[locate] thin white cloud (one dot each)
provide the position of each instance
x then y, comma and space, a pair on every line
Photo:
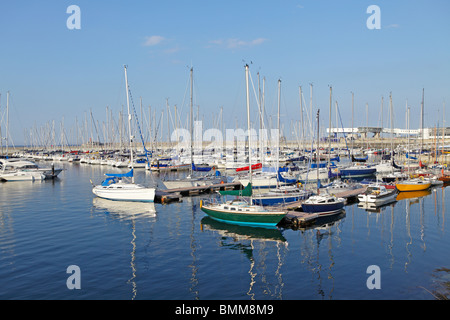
392, 26
234, 43
153, 40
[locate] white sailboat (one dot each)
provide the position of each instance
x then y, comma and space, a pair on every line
118, 186
193, 179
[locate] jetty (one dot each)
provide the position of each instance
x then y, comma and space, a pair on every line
172, 195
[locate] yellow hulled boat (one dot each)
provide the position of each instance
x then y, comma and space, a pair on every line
413, 185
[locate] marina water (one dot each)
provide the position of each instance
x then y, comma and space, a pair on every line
141, 251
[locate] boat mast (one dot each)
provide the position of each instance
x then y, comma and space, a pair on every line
129, 122
7, 122
353, 134
329, 136
1, 137
191, 120
279, 135
301, 114
421, 122
318, 139
407, 120
443, 132
248, 127
392, 130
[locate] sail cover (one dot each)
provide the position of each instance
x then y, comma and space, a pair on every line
120, 175
246, 192
284, 180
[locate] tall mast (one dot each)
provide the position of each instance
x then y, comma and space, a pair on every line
1, 138
248, 126
353, 134
301, 115
129, 122
318, 139
278, 124
329, 135
191, 118
7, 122
421, 120
311, 104
443, 131
392, 126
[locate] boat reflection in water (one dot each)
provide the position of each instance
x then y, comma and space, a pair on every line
241, 232
372, 207
325, 221
413, 194
131, 212
258, 245
126, 209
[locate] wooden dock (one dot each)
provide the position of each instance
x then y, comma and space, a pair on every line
167, 197
351, 194
171, 195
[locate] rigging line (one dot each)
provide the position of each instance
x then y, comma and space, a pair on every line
138, 125
342, 126
140, 133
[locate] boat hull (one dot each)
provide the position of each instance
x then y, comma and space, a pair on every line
323, 209
267, 219
378, 200
136, 193
406, 187
22, 176
270, 200
357, 173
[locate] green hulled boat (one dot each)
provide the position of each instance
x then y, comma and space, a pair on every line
240, 212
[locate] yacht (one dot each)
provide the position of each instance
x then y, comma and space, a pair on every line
8, 166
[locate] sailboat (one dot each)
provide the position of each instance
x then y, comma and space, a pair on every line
415, 184
193, 179
118, 186
238, 211
267, 179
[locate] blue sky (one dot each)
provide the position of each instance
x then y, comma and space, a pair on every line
54, 73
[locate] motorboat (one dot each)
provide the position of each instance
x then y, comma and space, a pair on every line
12, 165
22, 175
377, 194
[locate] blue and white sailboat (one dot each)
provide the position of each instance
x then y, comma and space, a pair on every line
290, 192
118, 186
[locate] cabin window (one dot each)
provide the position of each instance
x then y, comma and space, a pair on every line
225, 208
232, 208
330, 200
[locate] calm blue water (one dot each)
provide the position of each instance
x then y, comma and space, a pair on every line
135, 251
